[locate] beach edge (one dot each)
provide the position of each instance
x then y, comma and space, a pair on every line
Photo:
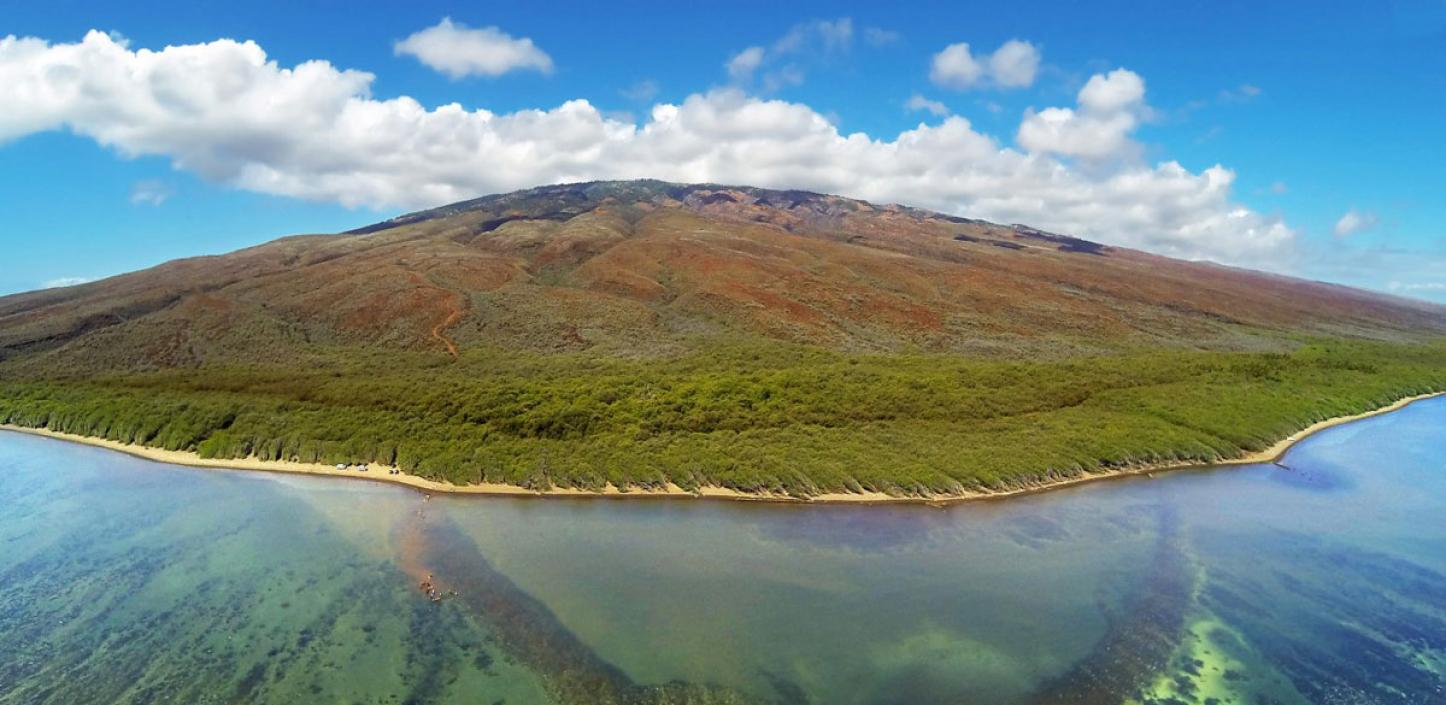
380, 474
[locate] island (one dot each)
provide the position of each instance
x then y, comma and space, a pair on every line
644, 338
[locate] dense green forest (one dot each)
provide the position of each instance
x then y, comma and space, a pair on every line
758, 418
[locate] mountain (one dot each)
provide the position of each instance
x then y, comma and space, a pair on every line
600, 300
647, 267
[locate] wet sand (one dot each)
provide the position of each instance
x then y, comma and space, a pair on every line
380, 473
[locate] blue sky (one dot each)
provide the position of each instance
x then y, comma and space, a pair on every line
1316, 110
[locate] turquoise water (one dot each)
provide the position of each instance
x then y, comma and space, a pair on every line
128, 581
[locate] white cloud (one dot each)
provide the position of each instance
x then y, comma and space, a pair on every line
1013, 65
1110, 107
744, 63
1355, 221
1245, 92
806, 44
1067, 132
775, 81
66, 281
1117, 91
918, 102
458, 51
225, 112
150, 192
642, 91
818, 35
955, 67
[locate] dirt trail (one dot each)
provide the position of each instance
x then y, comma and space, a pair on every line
446, 323
454, 313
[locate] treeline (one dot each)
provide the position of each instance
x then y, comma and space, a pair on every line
753, 418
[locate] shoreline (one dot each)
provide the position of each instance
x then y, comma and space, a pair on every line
378, 473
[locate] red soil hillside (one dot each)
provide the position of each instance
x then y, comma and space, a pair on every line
646, 268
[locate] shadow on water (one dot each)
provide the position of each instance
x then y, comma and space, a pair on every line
862, 529
1350, 625
1314, 477
1137, 644
434, 549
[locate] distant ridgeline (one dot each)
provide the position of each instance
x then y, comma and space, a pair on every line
643, 333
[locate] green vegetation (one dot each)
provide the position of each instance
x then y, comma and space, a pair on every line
762, 417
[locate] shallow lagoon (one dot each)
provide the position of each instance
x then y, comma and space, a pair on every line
128, 581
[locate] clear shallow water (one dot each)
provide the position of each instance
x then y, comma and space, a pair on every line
127, 581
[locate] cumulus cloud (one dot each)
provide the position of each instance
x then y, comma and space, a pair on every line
151, 192
66, 281
1355, 221
1110, 106
224, 111
955, 67
1114, 92
459, 51
1012, 65
917, 102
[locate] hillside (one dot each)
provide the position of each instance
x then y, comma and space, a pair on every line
642, 332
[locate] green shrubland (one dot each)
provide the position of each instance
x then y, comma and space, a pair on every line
757, 417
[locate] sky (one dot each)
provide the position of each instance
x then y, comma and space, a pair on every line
1303, 138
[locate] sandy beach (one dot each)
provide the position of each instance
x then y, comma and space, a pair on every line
380, 473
